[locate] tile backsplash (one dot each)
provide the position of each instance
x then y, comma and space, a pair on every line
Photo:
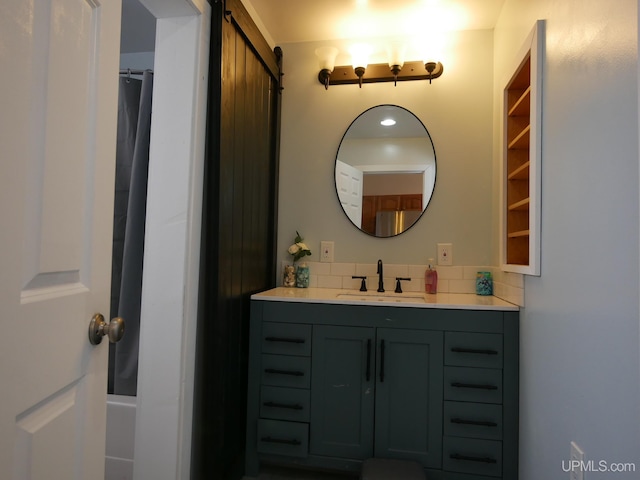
455, 279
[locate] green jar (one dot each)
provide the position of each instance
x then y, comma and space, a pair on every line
484, 283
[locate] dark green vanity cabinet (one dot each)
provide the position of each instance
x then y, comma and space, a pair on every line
376, 392
331, 385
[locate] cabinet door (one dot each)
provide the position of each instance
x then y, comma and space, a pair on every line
342, 391
408, 412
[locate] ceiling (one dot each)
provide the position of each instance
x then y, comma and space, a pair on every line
138, 28
368, 124
289, 21
312, 20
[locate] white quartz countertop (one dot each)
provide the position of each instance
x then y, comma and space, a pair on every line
463, 301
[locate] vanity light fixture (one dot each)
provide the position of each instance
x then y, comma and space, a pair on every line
431, 67
388, 122
395, 70
360, 58
326, 59
395, 52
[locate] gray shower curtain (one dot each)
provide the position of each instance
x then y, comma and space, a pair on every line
132, 162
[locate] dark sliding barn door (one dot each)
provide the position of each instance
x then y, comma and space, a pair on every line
239, 231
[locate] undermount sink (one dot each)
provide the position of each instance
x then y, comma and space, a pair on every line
388, 298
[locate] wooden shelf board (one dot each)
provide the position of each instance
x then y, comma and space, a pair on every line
521, 205
522, 77
522, 233
522, 106
520, 173
519, 140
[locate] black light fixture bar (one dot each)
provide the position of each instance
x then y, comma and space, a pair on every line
381, 72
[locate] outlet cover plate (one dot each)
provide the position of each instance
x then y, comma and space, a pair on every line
326, 251
445, 254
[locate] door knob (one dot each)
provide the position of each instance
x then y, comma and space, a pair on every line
99, 327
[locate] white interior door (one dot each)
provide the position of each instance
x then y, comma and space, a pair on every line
349, 186
58, 91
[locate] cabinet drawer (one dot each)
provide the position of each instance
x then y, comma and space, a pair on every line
473, 349
473, 384
286, 339
281, 403
286, 371
469, 455
473, 420
283, 438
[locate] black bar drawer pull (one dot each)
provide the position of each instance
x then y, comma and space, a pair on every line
284, 372
473, 422
285, 339
286, 441
382, 361
473, 385
368, 360
295, 406
474, 350
456, 456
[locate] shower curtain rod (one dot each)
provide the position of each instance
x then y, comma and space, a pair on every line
129, 71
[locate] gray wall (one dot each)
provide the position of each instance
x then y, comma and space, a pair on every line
580, 360
457, 111
579, 334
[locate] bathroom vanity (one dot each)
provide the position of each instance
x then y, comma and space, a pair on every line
336, 377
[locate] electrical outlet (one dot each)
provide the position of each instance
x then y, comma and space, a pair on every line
445, 254
576, 462
326, 251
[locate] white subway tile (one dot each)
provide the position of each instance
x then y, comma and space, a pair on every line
462, 286
454, 279
417, 271
366, 269
394, 271
515, 280
343, 269
318, 268
443, 286
415, 285
471, 272
450, 273
351, 283
329, 281
510, 294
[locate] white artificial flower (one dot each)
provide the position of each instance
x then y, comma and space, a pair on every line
293, 249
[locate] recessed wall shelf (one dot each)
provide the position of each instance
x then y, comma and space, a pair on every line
522, 205
521, 158
523, 233
521, 172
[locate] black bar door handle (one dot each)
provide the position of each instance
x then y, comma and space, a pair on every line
474, 350
284, 372
294, 406
456, 456
473, 385
286, 441
462, 421
368, 359
284, 339
382, 361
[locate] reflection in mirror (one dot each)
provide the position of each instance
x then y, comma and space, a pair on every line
385, 170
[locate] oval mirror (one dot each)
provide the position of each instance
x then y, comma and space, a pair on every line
385, 170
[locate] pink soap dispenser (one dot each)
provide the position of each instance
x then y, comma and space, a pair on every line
431, 279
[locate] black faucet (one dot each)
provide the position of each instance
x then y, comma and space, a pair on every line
380, 281
363, 284
398, 286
